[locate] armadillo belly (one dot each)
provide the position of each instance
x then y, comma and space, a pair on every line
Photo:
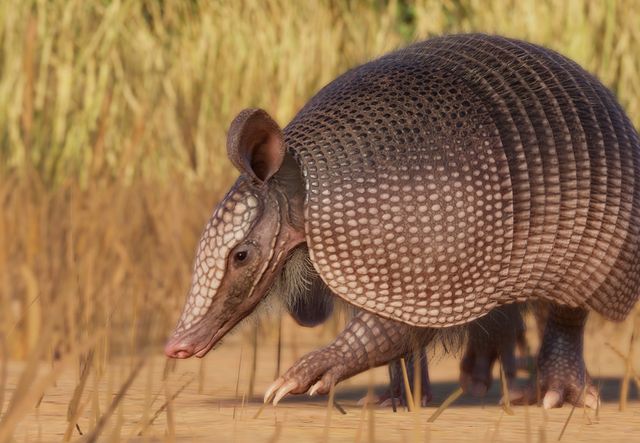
466, 172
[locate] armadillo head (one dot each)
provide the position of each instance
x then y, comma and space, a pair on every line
246, 241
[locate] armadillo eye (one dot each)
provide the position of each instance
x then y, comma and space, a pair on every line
240, 256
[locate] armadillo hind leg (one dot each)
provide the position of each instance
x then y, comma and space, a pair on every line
366, 342
492, 338
562, 375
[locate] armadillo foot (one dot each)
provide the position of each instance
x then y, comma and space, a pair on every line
565, 379
562, 375
578, 394
366, 342
315, 372
278, 389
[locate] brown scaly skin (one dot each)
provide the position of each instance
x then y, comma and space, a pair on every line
366, 342
561, 371
316, 306
562, 374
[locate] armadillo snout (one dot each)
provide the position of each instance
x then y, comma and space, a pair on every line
179, 348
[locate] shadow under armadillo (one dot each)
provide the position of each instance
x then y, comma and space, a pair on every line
349, 396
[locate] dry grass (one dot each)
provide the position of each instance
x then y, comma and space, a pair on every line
112, 131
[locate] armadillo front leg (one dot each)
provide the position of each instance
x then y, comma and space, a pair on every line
366, 342
562, 375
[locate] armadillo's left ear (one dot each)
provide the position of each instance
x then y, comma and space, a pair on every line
255, 144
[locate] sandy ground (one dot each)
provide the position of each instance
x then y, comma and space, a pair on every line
212, 403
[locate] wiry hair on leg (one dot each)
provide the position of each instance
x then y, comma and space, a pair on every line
501, 326
439, 341
296, 277
293, 282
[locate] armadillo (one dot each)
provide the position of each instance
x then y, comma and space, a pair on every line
430, 186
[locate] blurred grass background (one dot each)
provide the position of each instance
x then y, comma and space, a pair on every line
112, 134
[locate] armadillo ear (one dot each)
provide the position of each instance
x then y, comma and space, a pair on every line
255, 144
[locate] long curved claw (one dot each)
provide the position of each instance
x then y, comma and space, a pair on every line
592, 400
268, 395
284, 390
315, 388
552, 399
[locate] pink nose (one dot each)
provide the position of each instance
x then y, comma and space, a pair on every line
177, 348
